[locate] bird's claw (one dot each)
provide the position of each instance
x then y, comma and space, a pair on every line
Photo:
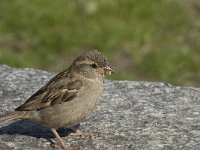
84, 134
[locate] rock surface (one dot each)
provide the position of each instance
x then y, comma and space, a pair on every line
131, 115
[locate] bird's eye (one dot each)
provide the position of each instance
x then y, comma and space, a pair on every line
94, 66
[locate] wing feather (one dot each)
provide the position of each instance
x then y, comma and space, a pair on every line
60, 89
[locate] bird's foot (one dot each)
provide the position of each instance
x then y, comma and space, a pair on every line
58, 145
60, 142
70, 148
83, 134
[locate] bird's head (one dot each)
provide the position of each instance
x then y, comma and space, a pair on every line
92, 64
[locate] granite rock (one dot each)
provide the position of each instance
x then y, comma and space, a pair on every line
130, 116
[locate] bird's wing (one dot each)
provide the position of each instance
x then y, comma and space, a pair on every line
61, 88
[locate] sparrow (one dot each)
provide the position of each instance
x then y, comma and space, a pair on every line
69, 97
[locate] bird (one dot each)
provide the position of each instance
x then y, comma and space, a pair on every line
68, 98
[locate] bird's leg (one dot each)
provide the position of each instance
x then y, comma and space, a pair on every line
77, 132
60, 140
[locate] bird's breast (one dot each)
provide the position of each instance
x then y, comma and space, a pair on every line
72, 112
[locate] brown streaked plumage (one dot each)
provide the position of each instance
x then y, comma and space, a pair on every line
67, 98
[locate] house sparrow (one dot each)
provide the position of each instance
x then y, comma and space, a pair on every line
67, 98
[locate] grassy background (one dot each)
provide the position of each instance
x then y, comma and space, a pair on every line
154, 40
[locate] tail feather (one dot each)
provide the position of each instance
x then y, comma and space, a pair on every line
12, 116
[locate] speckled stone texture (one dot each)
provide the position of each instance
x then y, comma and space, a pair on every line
131, 115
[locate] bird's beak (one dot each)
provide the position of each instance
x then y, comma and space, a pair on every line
108, 70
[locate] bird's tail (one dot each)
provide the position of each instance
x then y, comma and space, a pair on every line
12, 116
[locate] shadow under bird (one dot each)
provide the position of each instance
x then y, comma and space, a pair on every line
67, 98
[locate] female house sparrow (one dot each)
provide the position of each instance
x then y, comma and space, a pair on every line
67, 98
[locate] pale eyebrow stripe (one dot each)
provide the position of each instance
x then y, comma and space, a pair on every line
86, 61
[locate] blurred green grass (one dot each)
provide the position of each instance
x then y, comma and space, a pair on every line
154, 40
